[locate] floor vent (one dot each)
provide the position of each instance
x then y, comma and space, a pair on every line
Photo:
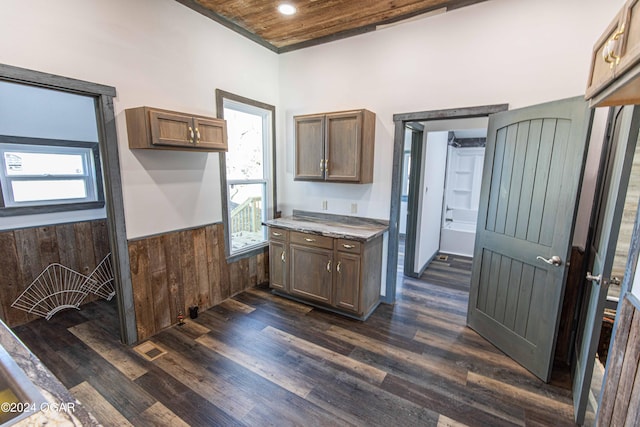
150, 350
442, 257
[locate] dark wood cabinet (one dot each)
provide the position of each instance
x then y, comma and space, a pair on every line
153, 128
347, 279
310, 147
278, 258
335, 147
342, 275
311, 269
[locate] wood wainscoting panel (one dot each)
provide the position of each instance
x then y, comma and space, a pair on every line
26, 252
177, 270
622, 387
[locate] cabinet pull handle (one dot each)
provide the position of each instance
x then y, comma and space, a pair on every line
349, 246
191, 136
321, 165
326, 165
338, 266
275, 233
329, 266
282, 257
309, 240
198, 136
608, 53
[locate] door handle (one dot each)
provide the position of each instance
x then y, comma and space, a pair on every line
597, 279
554, 260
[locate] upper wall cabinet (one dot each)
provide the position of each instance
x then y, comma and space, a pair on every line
169, 130
335, 146
614, 78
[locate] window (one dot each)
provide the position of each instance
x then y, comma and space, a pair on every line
33, 175
248, 171
49, 152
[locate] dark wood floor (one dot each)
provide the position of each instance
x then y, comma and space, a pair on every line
258, 359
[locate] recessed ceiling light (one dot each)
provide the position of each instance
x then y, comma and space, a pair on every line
286, 9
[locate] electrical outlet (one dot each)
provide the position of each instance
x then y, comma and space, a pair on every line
354, 208
324, 205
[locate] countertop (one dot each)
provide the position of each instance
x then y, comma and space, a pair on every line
337, 226
60, 408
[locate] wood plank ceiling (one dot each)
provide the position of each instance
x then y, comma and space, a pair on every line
316, 21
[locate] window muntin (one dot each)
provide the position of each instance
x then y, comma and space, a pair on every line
248, 174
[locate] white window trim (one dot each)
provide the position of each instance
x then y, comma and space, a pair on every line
92, 176
229, 100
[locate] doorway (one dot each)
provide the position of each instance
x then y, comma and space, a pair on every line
102, 100
612, 224
444, 118
442, 171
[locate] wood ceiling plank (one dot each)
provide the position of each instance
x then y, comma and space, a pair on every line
318, 19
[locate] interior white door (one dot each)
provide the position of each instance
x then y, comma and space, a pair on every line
533, 164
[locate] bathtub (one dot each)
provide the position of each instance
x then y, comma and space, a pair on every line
458, 238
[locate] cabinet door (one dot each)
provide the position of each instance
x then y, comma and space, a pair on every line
603, 64
310, 147
278, 266
347, 282
629, 37
311, 273
171, 129
343, 146
210, 133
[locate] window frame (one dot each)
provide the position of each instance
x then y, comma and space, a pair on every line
53, 206
269, 181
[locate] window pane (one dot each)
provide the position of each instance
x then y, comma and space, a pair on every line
246, 215
42, 164
33, 191
245, 157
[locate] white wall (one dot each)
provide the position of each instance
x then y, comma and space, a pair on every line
500, 51
162, 54
432, 178
157, 53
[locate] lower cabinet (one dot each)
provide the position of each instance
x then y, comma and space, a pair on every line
311, 273
347, 278
278, 265
338, 274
